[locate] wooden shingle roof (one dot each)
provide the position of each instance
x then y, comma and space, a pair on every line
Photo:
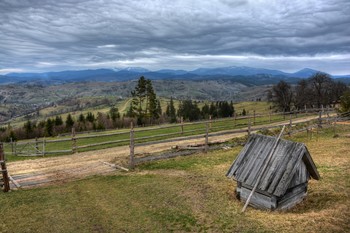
290, 165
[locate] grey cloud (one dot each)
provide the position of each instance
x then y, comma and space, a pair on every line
79, 33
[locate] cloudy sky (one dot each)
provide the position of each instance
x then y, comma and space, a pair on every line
52, 35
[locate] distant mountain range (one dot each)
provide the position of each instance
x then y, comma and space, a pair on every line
246, 75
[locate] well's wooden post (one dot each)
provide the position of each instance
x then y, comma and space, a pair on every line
132, 147
206, 147
74, 141
5, 176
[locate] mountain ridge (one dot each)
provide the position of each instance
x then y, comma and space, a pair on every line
131, 73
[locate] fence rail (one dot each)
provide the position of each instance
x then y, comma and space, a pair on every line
167, 133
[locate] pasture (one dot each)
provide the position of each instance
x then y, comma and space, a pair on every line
184, 194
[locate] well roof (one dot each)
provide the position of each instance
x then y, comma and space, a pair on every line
290, 165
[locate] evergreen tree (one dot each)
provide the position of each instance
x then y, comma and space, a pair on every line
345, 102
139, 95
130, 112
144, 102
49, 127
90, 117
159, 109
58, 120
114, 114
205, 111
69, 122
171, 112
189, 110
28, 128
81, 118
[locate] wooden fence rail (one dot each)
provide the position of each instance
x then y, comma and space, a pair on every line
215, 127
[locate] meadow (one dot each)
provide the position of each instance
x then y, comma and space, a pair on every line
185, 194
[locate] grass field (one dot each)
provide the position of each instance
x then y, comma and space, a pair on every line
185, 194
144, 136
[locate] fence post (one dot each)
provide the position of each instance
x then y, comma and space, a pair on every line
234, 119
206, 147
74, 141
11, 141
249, 125
320, 119
327, 111
36, 146
284, 115
290, 124
305, 108
334, 126
132, 147
44, 145
5, 176
182, 125
270, 117
254, 117
210, 120
15, 148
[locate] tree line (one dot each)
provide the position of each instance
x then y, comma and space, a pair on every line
317, 91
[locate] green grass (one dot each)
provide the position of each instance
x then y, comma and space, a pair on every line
250, 106
216, 126
184, 194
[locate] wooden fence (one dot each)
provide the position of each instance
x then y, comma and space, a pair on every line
165, 133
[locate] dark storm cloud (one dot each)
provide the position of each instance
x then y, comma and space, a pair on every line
51, 35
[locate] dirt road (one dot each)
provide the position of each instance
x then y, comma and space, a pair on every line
43, 171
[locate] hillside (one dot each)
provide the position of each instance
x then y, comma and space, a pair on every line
45, 100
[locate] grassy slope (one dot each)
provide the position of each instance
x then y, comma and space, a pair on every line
183, 194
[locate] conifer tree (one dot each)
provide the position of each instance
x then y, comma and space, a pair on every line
69, 122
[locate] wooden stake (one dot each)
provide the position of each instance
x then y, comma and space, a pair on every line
5, 176
254, 117
74, 141
320, 119
234, 119
44, 145
206, 147
270, 117
210, 120
36, 145
264, 168
132, 147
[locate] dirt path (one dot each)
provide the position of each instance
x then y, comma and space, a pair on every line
65, 168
